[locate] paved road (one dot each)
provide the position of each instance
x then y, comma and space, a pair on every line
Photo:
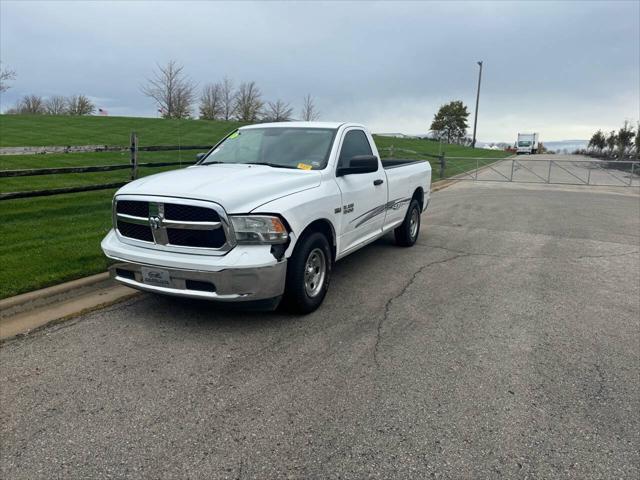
555, 169
504, 345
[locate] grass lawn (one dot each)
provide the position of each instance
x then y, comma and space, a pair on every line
49, 240
13, 162
42, 182
46, 130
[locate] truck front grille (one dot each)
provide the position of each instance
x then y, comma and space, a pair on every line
132, 230
171, 224
190, 213
196, 238
130, 207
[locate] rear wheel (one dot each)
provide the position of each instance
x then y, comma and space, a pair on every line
407, 233
308, 274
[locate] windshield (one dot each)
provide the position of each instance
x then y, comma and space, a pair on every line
524, 143
280, 147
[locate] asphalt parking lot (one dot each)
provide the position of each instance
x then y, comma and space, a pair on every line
505, 344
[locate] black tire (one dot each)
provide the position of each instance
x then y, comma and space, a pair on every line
406, 234
297, 297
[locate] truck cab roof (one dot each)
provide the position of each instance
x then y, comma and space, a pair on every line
301, 125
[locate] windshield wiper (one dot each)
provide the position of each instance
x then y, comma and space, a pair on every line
275, 165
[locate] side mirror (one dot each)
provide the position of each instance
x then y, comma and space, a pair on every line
359, 164
200, 156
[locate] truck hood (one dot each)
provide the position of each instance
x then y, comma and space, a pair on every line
238, 188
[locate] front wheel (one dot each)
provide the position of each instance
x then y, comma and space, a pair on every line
407, 233
308, 274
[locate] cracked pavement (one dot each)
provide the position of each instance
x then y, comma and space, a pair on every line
505, 344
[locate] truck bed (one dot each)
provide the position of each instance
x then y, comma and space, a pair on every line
388, 163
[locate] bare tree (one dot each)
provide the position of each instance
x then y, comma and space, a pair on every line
80, 105
56, 105
172, 90
228, 99
31, 105
211, 102
249, 102
309, 112
278, 111
6, 75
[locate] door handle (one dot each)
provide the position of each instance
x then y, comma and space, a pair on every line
378, 182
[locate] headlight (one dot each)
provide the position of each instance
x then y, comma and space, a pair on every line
259, 229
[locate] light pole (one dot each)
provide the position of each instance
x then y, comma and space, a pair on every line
475, 120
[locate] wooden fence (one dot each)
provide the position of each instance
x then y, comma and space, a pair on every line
133, 166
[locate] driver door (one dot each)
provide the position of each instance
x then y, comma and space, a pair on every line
364, 195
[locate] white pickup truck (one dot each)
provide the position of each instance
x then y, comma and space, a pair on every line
264, 215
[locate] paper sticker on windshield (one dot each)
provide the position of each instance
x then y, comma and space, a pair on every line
234, 134
304, 166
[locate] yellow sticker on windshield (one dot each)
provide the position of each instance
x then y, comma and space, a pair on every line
234, 134
304, 166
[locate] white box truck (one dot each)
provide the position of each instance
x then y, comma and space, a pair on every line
527, 143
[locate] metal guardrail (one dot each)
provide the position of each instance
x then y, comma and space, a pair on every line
623, 173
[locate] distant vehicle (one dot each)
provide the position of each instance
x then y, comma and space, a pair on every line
527, 143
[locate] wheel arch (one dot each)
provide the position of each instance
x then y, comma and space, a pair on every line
324, 226
418, 195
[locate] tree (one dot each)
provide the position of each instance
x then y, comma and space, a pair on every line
278, 111
211, 106
598, 141
6, 76
249, 102
56, 105
611, 141
637, 139
624, 138
80, 105
172, 90
31, 105
450, 122
228, 99
309, 112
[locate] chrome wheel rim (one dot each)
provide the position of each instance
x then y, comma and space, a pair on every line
315, 269
414, 223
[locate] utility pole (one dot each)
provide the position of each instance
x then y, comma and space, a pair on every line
475, 121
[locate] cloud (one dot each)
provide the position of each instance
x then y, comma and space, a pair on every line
563, 68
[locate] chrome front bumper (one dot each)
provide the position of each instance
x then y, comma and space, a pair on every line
229, 285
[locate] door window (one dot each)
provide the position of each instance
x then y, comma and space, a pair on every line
355, 143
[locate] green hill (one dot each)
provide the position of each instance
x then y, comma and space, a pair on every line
45, 130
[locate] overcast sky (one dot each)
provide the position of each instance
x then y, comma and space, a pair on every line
563, 69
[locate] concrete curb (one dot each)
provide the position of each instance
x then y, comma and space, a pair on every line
23, 313
440, 184
45, 296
